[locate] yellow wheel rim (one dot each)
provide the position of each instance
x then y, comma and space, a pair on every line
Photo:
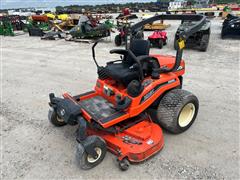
59, 119
186, 115
99, 153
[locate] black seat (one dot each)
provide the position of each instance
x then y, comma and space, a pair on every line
124, 71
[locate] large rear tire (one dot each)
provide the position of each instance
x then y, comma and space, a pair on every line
160, 43
177, 111
139, 35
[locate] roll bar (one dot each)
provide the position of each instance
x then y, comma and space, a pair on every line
183, 35
186, 17
93, 51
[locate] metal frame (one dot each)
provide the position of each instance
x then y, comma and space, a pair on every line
183, 35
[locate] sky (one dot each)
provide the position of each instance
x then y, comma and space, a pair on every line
4, 4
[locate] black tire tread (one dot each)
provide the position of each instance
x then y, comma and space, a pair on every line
52, 116
82, 155
160, 43
204, 42
118, 40
170, 107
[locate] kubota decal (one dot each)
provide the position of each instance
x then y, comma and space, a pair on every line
151, 92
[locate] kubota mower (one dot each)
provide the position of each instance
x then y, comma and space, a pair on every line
158, 38
115, 115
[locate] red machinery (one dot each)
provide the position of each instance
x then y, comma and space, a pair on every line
158, 38
39, 18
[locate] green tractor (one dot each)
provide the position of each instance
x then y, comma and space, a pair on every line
6, 28
86, 31
37, 24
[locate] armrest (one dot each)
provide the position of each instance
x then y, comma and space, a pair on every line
130, 53
111, 62
161, 69
144, 57
119, 51
155, 69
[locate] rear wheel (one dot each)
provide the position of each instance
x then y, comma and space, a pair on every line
160, 43
222, 35
118, 40
204, 42
55, 119
139, 35
107, 33
86, 161
177, 111
165, 42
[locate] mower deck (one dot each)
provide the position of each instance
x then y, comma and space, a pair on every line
134, 138
137, 139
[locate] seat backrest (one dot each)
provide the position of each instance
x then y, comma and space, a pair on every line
139, 47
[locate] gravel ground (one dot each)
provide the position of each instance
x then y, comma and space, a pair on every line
33, 149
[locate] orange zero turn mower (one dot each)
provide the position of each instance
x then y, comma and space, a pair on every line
134, 97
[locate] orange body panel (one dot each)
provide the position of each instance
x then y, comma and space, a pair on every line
169, 81
147, 141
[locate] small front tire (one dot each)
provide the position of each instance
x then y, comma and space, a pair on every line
86, 161
124, 164
55, 119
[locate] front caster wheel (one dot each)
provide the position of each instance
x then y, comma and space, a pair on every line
55, 119
86, 161
124, 164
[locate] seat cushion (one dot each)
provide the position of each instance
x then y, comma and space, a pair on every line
139, 47
121, 73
